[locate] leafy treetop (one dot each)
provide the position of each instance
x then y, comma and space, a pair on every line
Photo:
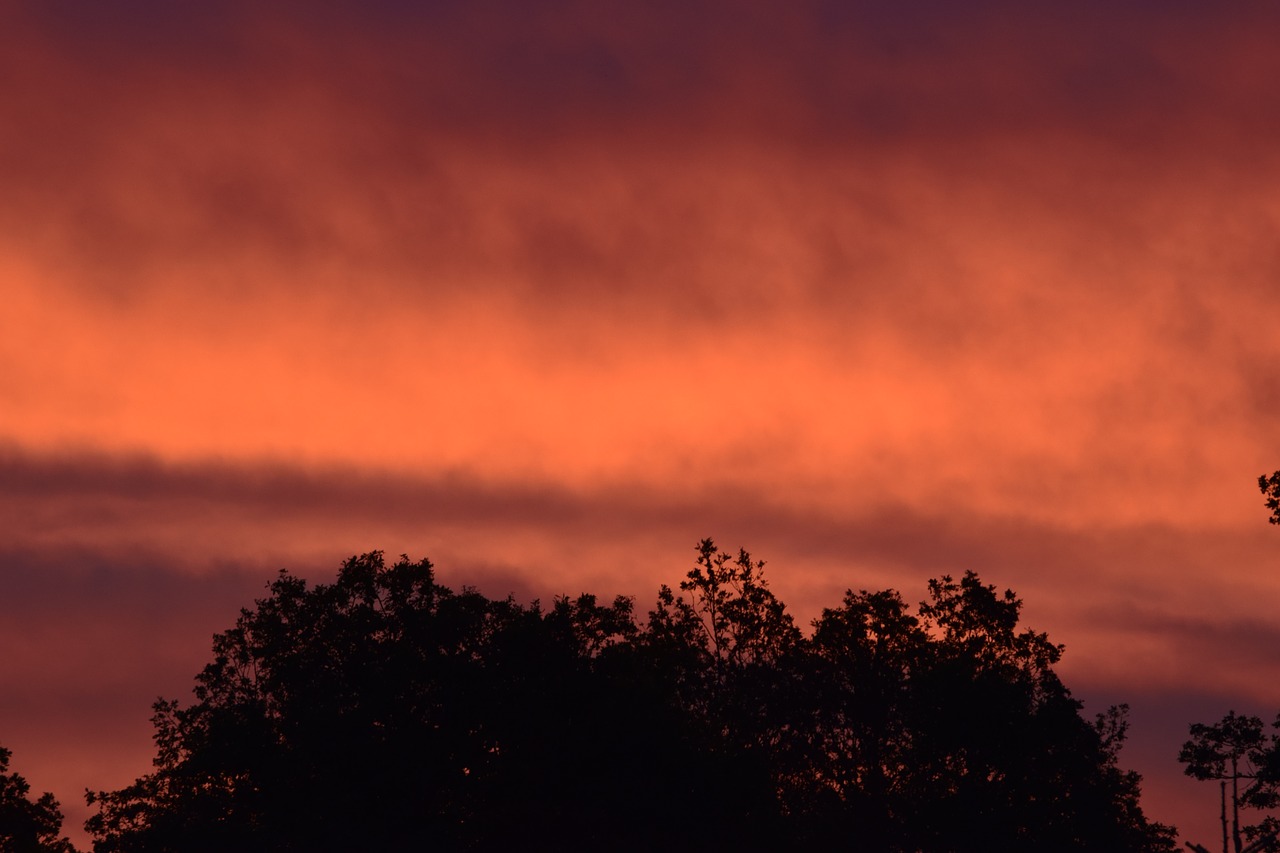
26, 825
386, 711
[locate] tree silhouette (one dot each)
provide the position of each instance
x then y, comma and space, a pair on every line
947, 729
26, 825
1238, 748
1270, 487
1234, 749
385, 711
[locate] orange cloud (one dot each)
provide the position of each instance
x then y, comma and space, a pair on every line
547, 295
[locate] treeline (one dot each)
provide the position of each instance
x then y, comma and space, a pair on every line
385, 711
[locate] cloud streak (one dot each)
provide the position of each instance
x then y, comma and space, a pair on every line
1129, 585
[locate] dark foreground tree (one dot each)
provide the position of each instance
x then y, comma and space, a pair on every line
947, 729
26, 825
1237, 753
385, 712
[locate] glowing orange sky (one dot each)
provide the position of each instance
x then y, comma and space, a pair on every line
549, 295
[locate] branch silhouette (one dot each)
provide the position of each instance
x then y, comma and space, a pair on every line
27, 825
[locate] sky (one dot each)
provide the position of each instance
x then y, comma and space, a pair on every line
547, 292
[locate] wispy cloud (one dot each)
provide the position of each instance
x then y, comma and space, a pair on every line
547, 293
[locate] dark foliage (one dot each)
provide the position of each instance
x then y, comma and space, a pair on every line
1238, 752
385, 711
26, 825
1270, 487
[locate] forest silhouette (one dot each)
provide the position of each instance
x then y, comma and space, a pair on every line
385, 711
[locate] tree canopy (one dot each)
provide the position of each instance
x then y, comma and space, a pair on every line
1239, 752
386, 711
27, 825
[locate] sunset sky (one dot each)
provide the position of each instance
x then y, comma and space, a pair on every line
548, 291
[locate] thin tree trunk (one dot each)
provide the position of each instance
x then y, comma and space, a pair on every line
1225, 849
1235, 804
